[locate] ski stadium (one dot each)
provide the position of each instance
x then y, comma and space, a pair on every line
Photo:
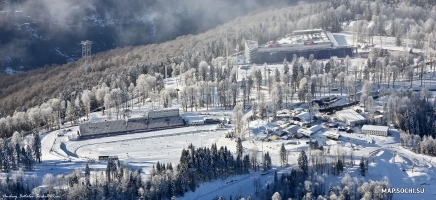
154, 120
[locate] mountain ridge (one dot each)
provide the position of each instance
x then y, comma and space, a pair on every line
45, 32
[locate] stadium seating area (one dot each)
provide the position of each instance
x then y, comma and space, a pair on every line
117, 127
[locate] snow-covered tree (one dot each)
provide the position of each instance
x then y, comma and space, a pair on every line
237, 121
276, 196
86, 99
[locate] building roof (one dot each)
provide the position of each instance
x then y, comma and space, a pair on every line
304, 116
315, 128
251, 44
350, 115
375, 128
293, 128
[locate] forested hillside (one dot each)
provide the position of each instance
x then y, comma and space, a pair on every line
121, 68
45, 32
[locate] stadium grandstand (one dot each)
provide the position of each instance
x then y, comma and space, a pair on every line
154, 120
302, 43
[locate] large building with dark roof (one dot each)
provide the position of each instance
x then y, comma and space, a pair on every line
321, 44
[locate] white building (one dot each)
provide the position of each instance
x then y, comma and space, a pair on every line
350, 117
168, 112
313, 129
375, 130
251, 48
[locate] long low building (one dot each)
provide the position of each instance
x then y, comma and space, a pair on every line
350, 117
167, 112
375, 130
110, 128
313, 129
303, 43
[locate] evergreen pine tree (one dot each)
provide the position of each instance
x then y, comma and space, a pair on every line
87, 175
276, 181
362, 167
37, 147
239, 147
246, 164
283, 155
302, 162
339, 166
29, 158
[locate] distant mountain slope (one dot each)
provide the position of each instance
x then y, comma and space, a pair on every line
24, 90
34, 33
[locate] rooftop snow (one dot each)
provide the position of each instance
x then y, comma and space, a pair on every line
375, 128
350, 115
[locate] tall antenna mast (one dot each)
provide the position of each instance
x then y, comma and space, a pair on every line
86, 54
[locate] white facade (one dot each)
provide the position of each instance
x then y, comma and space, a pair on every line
375, 130
350, 117
251, 49
172, 112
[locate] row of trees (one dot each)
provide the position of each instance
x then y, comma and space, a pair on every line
204, 47
18, 153
197, 165
296, 185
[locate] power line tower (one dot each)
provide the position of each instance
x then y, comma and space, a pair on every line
86, 55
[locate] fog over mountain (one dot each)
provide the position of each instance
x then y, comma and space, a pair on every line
34, 33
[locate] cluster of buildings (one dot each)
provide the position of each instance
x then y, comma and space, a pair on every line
297, 118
